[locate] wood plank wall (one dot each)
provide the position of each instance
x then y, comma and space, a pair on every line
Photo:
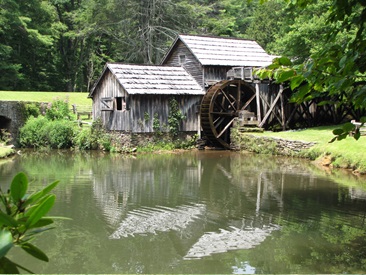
213, 74
142, 108
191, 64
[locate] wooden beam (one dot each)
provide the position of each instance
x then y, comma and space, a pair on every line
272, 107
278, 117
283, 113
259, 116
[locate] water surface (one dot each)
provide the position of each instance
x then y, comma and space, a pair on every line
196, 212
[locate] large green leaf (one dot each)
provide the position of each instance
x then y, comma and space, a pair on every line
338, 131
285, 75
35, 251
19, 187
38, 195
7, 220
34, 206
41, 210
6, 242
347, 127
42, 222
296, 81
284, 61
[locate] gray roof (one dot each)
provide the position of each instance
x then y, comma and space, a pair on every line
222, 51
145, 79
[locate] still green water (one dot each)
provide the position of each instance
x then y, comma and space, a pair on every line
197, 212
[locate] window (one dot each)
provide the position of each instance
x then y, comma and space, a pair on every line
182, 59
120, 103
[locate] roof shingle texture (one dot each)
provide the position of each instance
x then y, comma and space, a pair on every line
220, 51
141, 79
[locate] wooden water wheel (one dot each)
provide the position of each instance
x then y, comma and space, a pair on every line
221, 105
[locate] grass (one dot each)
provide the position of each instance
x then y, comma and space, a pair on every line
5, 151
348, 153
77, 98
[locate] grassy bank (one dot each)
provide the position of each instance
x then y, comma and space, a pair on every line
348, 153
77, 98
5, 151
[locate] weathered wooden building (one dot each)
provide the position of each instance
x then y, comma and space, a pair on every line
208, 59
130, 97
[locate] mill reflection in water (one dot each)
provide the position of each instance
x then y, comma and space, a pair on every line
198, 212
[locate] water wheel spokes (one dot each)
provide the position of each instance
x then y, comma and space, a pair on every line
219, 108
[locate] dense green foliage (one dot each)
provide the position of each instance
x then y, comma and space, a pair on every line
42, 132
22, 217
326, 54
175, 117
63, 45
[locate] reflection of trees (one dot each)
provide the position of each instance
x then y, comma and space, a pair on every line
321, 224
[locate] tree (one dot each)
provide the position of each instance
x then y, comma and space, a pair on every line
26, 39
265, 24
335, 68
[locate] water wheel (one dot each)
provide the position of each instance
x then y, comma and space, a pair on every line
221, 105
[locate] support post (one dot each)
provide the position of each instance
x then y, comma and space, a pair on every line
283, 111
259, 115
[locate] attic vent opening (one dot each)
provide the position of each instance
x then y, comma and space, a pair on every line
182, 59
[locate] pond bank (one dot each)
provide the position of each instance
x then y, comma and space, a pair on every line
311, 143
6, 151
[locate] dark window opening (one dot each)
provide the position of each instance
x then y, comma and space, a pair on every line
182, 59
120, 103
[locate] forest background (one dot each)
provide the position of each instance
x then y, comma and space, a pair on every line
62, 45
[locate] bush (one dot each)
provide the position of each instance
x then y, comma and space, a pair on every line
41, 132
58, 110
32, 133
60, 133
32, 109
93, 138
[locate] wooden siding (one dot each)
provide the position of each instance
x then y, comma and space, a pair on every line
213, 74
191, 64
108, 86
142, 108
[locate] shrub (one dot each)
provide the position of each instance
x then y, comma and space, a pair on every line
32, 109
92, 138
84, 141
175, 117
41, 132
58, 109
60, 133
32, 134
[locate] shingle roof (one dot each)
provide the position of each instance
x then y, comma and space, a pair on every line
142, 79
221, 51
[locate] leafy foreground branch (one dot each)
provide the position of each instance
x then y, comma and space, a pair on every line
22, 217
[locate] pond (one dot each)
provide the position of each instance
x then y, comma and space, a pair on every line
195, 212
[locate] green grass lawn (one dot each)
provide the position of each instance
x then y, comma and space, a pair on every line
347, 153
77, 98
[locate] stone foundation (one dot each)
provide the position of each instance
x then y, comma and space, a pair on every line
268, 145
